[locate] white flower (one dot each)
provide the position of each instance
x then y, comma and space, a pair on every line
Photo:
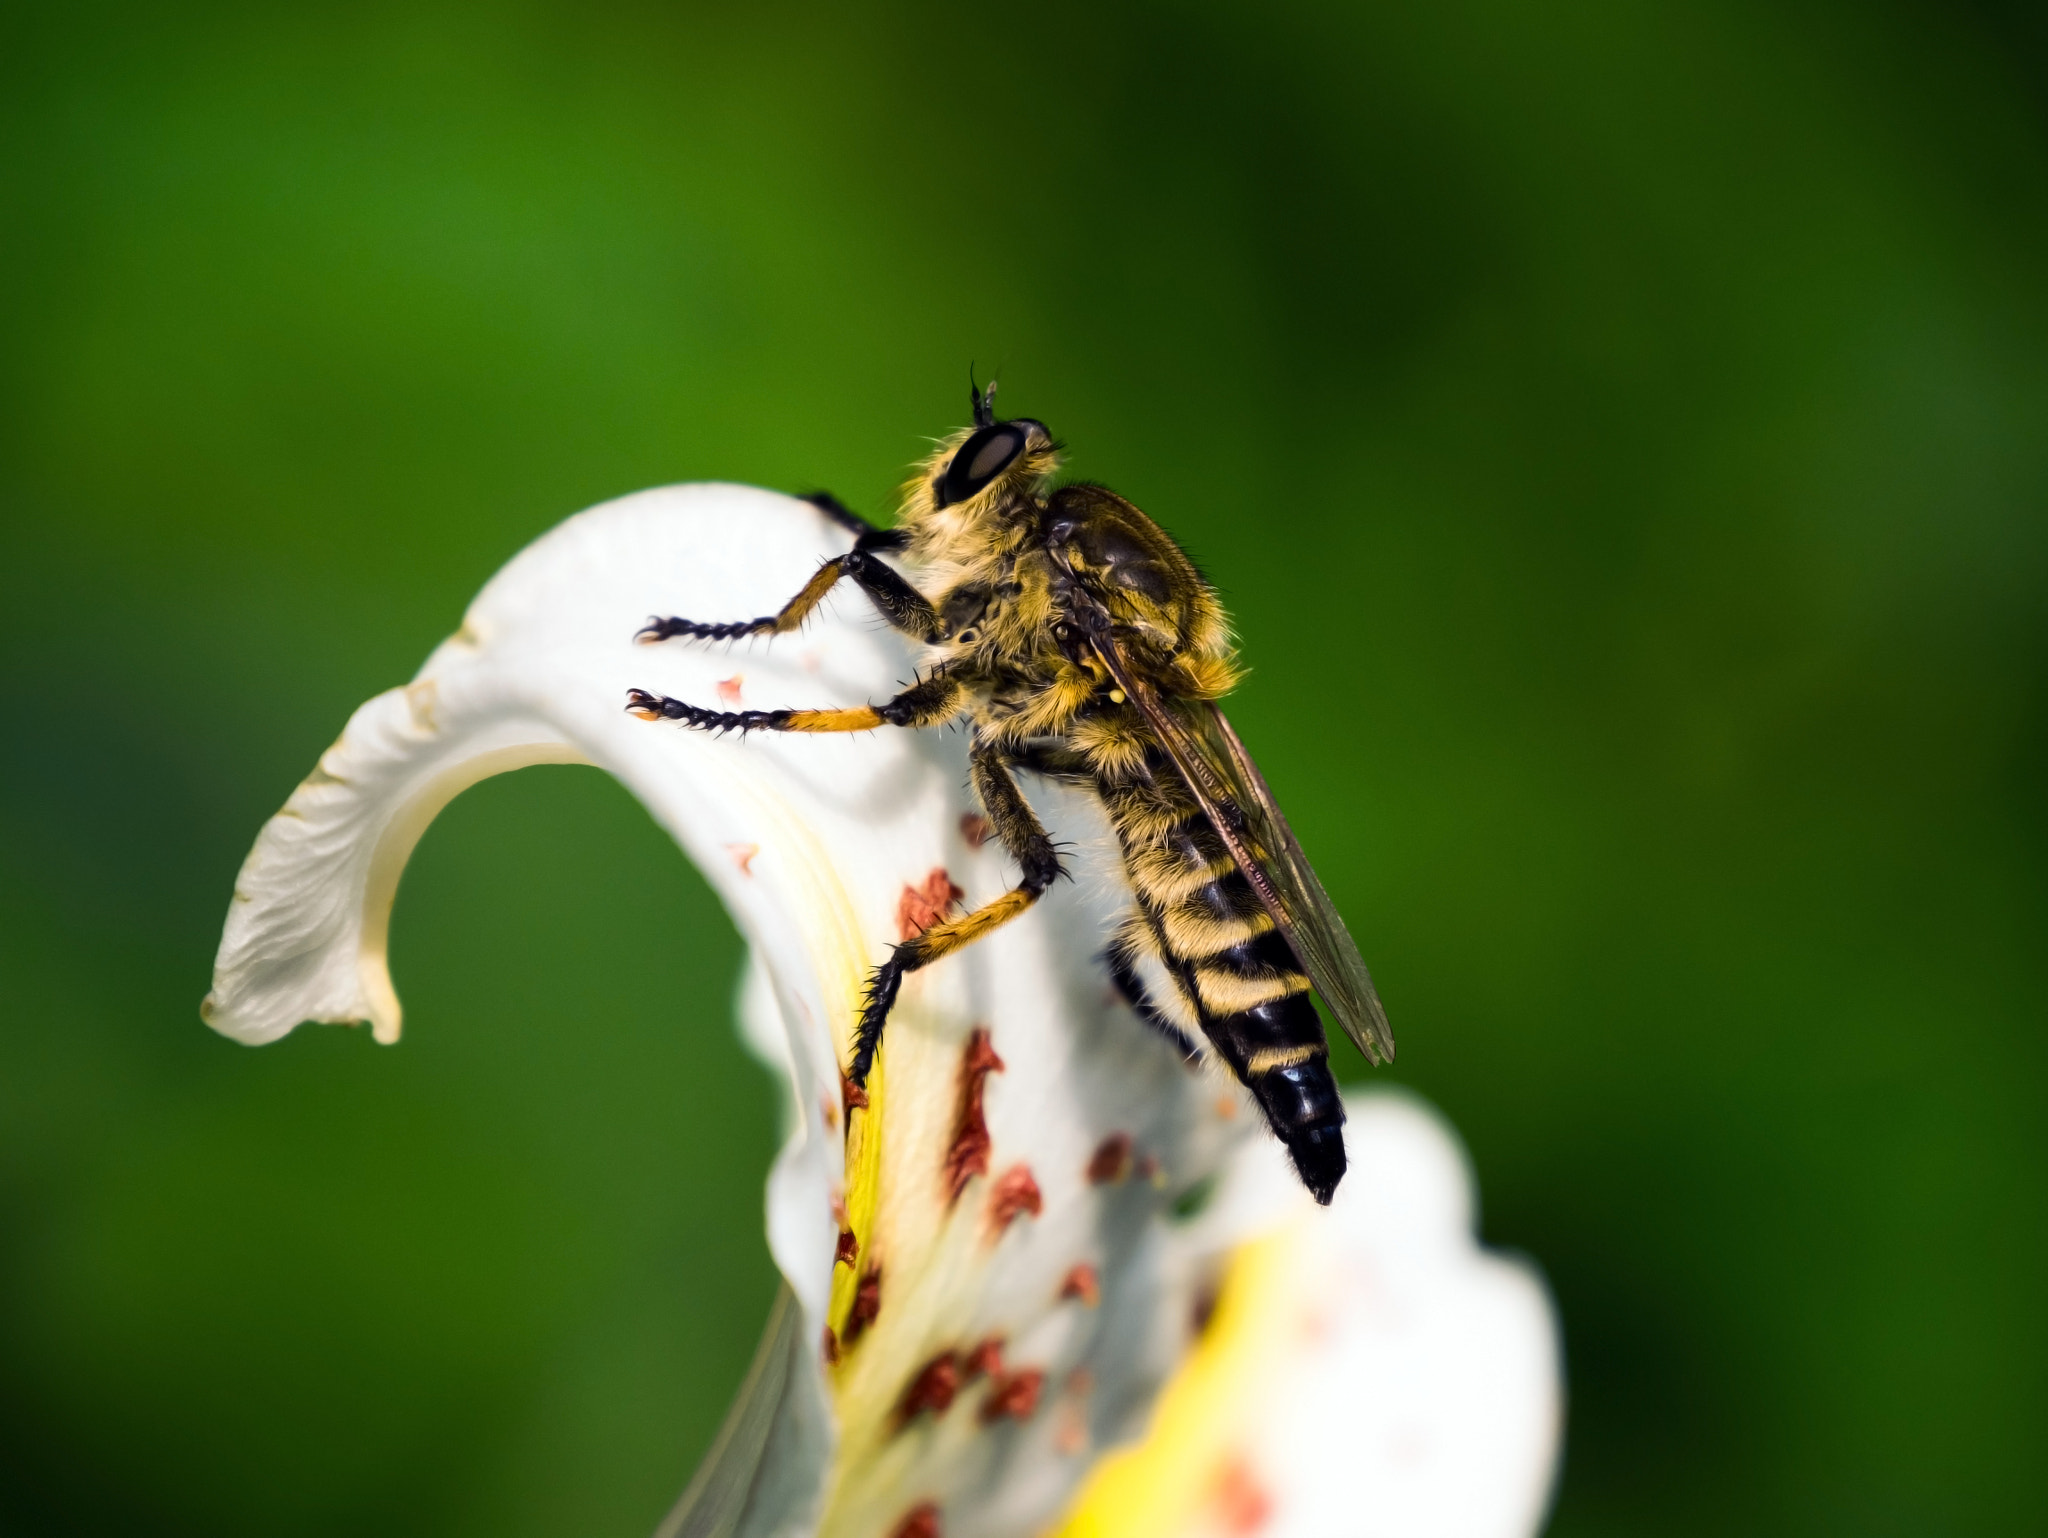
996, 1264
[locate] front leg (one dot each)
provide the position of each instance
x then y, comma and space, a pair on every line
899, 603
1026, 840
867, 536
790, 616
931, 700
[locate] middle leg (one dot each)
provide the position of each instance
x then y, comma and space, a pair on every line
931, 700
1028, 844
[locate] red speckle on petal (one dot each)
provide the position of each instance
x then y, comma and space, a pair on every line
729, 690
1111, 1160
831, 1348
1226, 1107
921, 1521
981, 1056
1243, 1504
975, 829
849, 1249
984, 1361
967, 1153
934, 1388
1015, 1193
1082, 1283
920, 907
743, 856
855, 1098
867, 1303
1072, 1435
1014, 1395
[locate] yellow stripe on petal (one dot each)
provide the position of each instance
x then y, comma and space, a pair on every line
863, 1192
1171, 1483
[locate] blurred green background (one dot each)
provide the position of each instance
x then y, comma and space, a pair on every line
1620, 430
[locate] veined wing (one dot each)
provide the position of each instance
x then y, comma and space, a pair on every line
1241, 806
1313, 925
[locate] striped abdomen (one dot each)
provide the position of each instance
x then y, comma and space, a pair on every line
1233, 969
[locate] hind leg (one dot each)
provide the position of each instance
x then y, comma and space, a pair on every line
1027, 842
1131, 945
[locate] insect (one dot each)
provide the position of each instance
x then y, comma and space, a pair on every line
1082, 645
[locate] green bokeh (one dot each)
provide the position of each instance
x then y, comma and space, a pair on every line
1621, 433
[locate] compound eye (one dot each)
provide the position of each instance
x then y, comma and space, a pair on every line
981, 459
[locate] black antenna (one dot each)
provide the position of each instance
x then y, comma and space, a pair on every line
982, 401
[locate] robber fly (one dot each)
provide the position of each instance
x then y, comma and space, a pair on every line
1083, 645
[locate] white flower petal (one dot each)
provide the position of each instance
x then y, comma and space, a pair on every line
1369, 1370
1079, 1279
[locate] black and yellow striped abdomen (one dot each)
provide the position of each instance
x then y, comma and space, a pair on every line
1234, 971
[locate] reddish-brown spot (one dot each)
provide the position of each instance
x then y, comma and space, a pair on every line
831, 1347
981, 1056
1148, 1168
742, 855
1226, 1107
855, 1098
867, 1303
1243, 1504
1015, 1193
920, 907
1014, 1395
1083, 1284
729, 690
975, 829
1072, 1435
920, 1521
849, 1248
933, 1389
967, 1153
1111, 1160
984, 1361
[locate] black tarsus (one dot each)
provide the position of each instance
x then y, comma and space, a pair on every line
901, 604
707, 720
1027, 843
658, 628
932, 699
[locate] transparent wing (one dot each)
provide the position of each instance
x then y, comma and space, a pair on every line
1241, 806
1311, 922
